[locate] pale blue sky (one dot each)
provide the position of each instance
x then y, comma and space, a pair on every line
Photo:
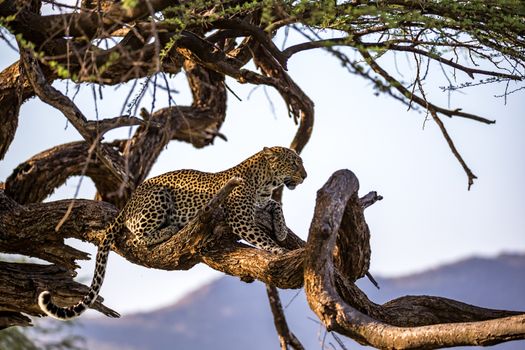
427, 216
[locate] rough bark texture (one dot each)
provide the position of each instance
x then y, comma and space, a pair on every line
331, 293
405, 323
217, 40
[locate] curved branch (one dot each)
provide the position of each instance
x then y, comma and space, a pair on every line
14, 90
9, 80
55, 98
330, 289
35, 179
260, 35
338, 315
198, 125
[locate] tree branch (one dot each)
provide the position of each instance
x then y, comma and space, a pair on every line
329, 286
286, 337
55, 98
419, 100
88, 23
338, 249
411, 46
14, 90
198, 125
21, 284
433, 110
322, 284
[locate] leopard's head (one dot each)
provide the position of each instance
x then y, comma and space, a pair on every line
285, 165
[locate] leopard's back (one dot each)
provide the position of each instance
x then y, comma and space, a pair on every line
172, 198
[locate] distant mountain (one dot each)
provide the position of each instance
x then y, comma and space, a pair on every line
229, 314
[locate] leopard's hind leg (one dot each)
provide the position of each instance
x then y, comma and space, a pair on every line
150, 216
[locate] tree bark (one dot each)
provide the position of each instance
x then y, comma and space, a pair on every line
409, 322
405, 323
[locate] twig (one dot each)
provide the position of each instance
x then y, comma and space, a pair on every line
72, 203
432, 109
372, 279
470, 175
338, 340
405, 92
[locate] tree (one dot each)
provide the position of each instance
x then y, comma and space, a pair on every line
107, 43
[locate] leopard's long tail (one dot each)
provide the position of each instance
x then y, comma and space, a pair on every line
66, 313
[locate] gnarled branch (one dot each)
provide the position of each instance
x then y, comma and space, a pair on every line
409, 322
327, 292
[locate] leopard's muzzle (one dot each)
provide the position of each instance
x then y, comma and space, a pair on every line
292, 182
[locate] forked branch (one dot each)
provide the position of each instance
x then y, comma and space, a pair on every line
338, 223
325, 290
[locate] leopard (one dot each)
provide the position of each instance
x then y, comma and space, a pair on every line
171, 200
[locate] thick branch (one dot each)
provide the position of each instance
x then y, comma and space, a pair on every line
300, 106
14, 90
79, 24
335, 312
34, 180
21, 284
9, 80
260, 35
330, 292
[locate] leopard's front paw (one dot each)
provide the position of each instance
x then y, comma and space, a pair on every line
281, 233
138, 242
278, 250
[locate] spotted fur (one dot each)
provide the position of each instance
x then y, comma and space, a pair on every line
173, 199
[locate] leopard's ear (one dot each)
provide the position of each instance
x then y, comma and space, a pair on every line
268, 153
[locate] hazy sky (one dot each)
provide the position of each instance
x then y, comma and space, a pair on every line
427, 216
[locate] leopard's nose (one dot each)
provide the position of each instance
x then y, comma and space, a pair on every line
303, 174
